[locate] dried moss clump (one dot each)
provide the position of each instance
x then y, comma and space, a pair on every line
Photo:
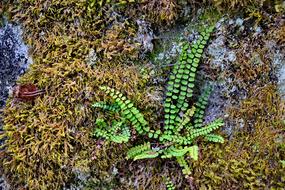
44, 136
251, 158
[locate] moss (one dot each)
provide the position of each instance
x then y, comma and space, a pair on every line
250, 160
48, 143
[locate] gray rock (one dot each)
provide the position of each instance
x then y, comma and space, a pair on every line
14, 61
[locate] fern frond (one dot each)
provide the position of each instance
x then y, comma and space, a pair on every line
137, 150
214, 138
181, 82
173, 152
194, 152
128, 111
98, 131
182, 162
186, 119
106, 107
200, 107
207, 129
119, 138
146, 154
169, 184
196, 132
118, 132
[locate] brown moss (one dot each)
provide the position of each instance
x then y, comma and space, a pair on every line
44, 136
251, 158
117, 42
242, 5
48, 140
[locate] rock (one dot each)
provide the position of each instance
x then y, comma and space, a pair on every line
14, 59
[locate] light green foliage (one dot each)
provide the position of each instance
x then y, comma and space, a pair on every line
142, 152
128, 111
183, 164
181, 82
169, 184
178, 152
118, 132
214, 138
106, 107
183, 122
194, 133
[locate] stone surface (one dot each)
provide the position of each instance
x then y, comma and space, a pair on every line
14, 60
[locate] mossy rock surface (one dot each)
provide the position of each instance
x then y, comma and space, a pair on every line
78, 46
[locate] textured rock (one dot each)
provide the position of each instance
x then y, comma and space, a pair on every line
14, 61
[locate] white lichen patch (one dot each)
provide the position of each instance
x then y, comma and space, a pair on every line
279, 63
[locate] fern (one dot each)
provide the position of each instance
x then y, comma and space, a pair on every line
183, 124
207, 129
142, 152
181, 82
106, 107
146, 154
177, 152
214, 138
169, 184
118, 132
194, 152
137, 150
182, 162
128, 111
200, 107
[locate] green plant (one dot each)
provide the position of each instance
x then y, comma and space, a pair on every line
183, 124
169, 184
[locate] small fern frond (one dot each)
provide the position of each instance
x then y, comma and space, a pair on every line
182, 162
194, 152
146, 154
200, 107
169, 184
186, 118
119, 138
106, 107
207, 129
137, 150
214, 138
174, 152
194, 133
118, 132
129, 112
